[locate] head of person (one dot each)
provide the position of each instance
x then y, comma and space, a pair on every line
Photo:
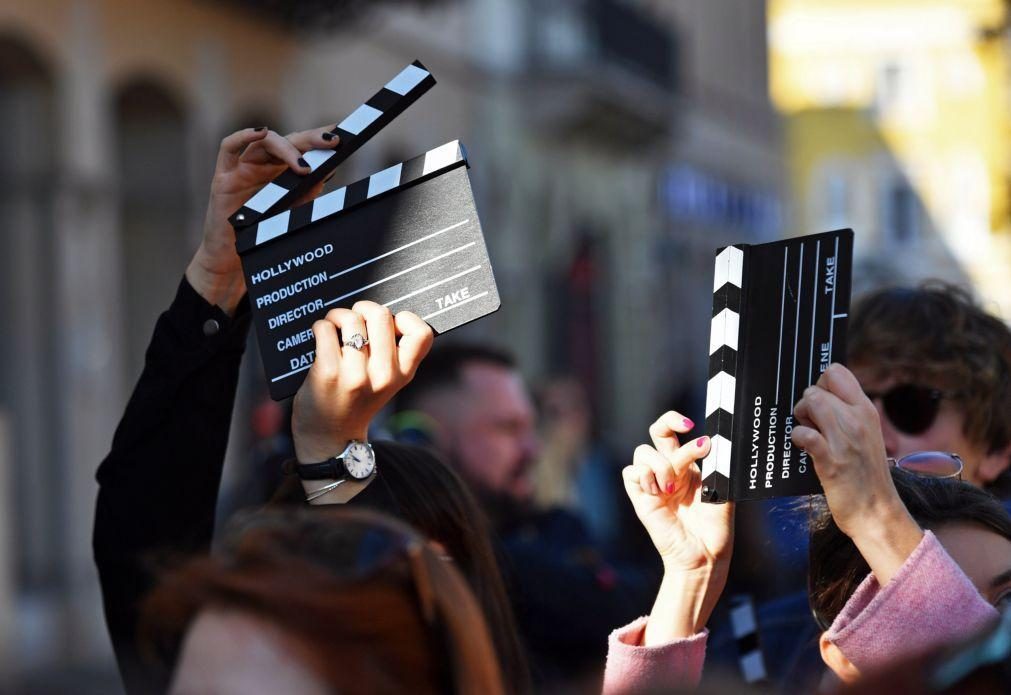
938, 368
413, 485
970, 523
316, 601
482, 416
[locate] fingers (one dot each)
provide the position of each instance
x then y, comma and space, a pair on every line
664, 431
235, 144
840, 381
415, 342
811, 441
326, 366
353, 362
274, 148
819, 408
383, 364
314, 139
654, 472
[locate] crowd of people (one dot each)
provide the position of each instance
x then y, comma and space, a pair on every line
430, 562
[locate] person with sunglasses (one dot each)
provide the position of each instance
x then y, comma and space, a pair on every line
909, 593
938, 369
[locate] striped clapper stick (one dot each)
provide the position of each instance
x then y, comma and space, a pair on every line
721, 389
407, 237
779, 319
744, 624
354, 131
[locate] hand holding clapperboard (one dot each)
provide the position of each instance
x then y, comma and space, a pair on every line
407, 237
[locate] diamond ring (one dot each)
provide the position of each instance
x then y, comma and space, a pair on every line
356, 341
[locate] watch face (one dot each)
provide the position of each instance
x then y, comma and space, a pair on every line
359, 460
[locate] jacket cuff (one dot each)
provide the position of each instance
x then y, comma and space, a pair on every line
929, 602
632, 667
193, 324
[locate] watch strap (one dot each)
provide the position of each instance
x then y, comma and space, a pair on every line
331, 469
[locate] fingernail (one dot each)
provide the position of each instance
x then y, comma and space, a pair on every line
670, 488
700, 442
260, 129
303, 163
328, 136
654, 489
688, 423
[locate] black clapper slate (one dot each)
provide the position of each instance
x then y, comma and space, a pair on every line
780, 312
408, 237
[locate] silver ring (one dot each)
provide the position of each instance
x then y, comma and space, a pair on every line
356, 341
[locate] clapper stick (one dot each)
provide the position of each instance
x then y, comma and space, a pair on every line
354, 131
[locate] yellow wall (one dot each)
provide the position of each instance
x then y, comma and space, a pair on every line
944, 120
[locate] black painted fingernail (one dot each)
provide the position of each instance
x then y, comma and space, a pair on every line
328, 136
303, 163
260, 129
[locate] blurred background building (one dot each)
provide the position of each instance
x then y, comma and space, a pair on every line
614, 145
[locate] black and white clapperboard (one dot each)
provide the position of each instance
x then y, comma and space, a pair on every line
407, 237
779, 319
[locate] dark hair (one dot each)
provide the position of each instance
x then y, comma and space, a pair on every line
443, 368
413, 484
836, 567
367, 603
935, 334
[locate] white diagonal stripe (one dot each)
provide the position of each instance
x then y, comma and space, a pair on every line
718, 460
328, 204
729, 267
272, 227
359, 120
384, 180
408, 79
265, 197
720, 393
441, 156
724, 330
316, 157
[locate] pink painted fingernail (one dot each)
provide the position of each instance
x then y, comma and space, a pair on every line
670, 488
700, 441
688, 423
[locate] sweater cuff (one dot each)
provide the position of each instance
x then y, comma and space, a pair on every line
632, 667
193, 324
929, 602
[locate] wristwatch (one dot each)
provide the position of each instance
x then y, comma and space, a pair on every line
356, 462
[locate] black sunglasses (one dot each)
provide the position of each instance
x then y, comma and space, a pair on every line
912, 409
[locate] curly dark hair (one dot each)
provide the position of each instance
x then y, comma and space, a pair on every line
936, 335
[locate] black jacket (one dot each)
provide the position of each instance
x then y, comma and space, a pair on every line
167, 455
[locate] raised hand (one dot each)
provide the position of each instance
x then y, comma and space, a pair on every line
694, 539
345, 386
247, 160
841, 430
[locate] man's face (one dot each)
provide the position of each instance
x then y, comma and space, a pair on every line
946, 433
488, 430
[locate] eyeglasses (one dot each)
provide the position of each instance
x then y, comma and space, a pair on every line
923, 464
930, 464
911, 408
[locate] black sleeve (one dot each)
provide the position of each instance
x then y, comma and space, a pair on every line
159, 484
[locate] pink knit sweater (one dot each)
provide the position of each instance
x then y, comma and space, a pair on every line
928, 603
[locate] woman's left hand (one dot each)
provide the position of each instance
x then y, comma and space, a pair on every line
841, 430
346, 387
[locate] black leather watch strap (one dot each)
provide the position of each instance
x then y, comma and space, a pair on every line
331, 469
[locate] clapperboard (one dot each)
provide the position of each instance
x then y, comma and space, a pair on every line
407, 237
779, 319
